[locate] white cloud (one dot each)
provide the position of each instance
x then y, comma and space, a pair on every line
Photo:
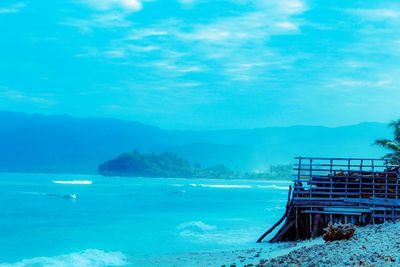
227, 45
18, 96
113, 13
189, 84
231, 43
127, 5
107, 20
267, 20
358, 83
287, 26
376, 14
12, 9
187, 2
145, 33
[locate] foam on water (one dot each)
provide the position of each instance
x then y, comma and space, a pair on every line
73, 182
221, 185
200, 232
86, 258
274, 187
197, 226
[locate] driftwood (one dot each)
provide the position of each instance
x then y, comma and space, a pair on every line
339, 232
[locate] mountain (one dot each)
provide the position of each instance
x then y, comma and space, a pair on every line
61, 143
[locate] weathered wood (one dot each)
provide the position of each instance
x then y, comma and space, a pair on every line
331, 212
355, 190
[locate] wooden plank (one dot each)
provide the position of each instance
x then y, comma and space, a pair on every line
342, 165
307, 183
331, 212
323, 193
347, 209
374, 201
388, 216
321, 158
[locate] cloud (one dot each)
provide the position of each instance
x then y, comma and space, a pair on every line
220, 48
107, 20
110, 14
105, 5
145, 33
231, 42
244, 28
351, 83
187, 2
19, 96
376, 14
15, 8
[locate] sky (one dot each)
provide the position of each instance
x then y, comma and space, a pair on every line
203, 64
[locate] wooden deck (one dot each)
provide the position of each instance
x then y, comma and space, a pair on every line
347, 190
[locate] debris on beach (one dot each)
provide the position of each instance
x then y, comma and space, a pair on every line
339, 232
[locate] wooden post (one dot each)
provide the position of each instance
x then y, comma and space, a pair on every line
373, 190
386, 187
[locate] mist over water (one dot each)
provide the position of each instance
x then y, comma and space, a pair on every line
117, 221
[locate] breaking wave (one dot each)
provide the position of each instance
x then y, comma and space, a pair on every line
85, 258
222, 185
197, 226
200, 232
73, 182
240, 186
274, 187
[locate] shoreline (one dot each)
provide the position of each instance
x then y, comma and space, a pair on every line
249, 256
372, 245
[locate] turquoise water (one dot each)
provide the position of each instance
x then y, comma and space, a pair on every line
118, 221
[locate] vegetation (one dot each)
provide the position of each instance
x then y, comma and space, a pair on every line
392, 145
153, 165
170, 165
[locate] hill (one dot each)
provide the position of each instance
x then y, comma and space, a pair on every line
61, 143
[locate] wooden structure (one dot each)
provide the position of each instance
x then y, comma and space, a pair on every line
346, 190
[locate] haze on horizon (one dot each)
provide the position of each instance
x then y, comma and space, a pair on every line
202, 64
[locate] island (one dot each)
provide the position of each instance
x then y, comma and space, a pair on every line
169, 165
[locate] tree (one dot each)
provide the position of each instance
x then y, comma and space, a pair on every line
392, 145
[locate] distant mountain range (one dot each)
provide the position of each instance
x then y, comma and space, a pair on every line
61, 143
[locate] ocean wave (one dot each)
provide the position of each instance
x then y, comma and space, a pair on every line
274, 187
200, 232
73, 182
86, 258
67, 196
222, 185
196, 226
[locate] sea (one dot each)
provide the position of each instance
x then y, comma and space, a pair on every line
90, 220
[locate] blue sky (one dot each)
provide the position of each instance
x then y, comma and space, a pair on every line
199, 64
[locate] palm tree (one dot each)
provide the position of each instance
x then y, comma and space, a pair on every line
392, 145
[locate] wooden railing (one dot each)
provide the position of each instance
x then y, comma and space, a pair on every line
346, 190
347, 186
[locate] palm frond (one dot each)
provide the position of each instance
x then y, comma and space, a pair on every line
395, 123
382, 142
